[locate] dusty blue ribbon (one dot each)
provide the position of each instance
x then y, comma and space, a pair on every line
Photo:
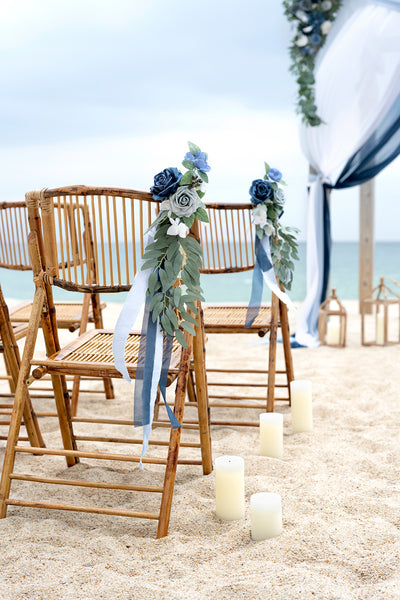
263, 271
262, 263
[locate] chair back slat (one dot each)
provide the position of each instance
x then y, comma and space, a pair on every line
14, 231
94, 245
228, 239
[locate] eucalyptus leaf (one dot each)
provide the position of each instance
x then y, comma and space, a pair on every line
188, 327
181, 338
193, 148
203, 176
187, 178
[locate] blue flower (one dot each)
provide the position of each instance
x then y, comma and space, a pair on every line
260, 191
274, 174
307, 50
315, 39
199, 160
165, 183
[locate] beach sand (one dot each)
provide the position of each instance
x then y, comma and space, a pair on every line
339, 488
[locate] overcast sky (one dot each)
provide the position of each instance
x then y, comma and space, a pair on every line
108, 92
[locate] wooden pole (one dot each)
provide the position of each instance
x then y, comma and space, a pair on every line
366, 244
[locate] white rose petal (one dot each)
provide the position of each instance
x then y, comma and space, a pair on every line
177, 228
165, 205
325, 27
302, 41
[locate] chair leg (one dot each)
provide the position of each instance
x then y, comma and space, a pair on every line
286, 345
174, 442
98, 322
273, 334
20, 398
199, 357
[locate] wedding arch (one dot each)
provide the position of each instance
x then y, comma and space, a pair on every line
357, 96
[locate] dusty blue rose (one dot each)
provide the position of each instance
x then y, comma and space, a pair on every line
199, 160
260, 191
315, 39
274, 174
307, 50
165, 183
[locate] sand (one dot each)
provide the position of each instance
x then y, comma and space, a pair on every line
339, 488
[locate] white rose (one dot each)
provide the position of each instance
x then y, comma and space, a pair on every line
177, 228
325, 27
184, 202
259, 213
301, 15
302, 41
326, 5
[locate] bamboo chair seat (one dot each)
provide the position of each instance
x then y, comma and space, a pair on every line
69, 314
93, 351
231, 319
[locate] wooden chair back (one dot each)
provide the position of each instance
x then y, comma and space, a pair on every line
93, 237
228, 238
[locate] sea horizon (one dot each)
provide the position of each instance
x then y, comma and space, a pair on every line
237, 287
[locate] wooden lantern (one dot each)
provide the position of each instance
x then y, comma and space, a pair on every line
380, 316
332, 322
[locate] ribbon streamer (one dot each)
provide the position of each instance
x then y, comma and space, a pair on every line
263, 271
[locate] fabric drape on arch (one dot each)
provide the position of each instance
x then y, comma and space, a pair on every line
358, 97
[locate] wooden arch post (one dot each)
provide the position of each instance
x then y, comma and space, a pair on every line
366, 244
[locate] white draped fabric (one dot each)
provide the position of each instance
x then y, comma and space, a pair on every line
357, 78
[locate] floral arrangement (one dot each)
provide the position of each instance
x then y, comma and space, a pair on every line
174, 257
268, 199
313, 20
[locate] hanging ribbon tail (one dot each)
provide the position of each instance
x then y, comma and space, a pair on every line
128, 315
148, 372
263, 271
167, 352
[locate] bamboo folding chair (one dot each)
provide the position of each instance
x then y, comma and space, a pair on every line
9, 348
105, 228
228, 247
14, 255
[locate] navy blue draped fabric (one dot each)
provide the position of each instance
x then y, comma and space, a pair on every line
380, 149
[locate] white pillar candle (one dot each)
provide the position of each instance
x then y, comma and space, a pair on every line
380, 328
271, 435
333, 332
265, 515
301, 400
229, 487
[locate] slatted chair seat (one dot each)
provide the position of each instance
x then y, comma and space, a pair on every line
69, 314
231, 319
93, 351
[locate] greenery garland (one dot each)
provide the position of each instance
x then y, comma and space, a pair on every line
268, 200
174, 257
313, 21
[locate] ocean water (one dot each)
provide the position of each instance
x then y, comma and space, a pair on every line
236, 287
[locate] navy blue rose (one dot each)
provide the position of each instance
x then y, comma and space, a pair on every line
165, 183
199, 160
260, 191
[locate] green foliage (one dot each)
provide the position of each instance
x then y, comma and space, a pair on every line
175, 263
303, 56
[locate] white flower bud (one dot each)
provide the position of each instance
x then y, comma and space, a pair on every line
325, 27
302, 41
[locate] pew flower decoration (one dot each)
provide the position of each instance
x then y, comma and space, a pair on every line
268, 199
174, 256
313, 21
